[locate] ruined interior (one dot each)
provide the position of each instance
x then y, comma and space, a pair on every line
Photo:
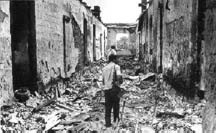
53, 66
23, 44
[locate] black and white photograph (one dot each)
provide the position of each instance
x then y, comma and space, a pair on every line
108, 66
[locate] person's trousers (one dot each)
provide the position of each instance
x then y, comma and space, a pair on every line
111, 102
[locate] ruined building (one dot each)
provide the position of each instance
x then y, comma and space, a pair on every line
121, 35
177, 38
42, 41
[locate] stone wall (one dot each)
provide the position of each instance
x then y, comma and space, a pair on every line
128, 43
169, 42
209, 119
6, 91
49, 39
65, 46
101, 40
180, 44
149, 37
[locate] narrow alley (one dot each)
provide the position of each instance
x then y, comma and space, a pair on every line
53, 55
78, 105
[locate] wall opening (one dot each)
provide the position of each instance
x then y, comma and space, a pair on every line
146, 36
200, 40
201, 26
78, 43
151, 46
104, 42
101, 45
160, 69
140, 47
85, 40
94, 42
122, 40
67, 42
23, 40
150, 30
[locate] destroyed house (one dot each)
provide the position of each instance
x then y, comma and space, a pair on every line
122, 35
177, 38
168, 42
42, 41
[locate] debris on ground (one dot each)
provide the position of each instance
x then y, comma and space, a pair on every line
146, 106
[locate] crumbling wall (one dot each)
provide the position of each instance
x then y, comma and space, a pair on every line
62, 47
169, 42
209, 115
49, 36
101, 42
152, 38
149, 38
130, 31
111, 38
179, 53
6, 91
142, 41
132, 38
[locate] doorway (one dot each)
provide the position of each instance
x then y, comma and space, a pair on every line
23, 44
101, 45
104, 43
67, 42
160, 69
94, 42
85, 41
200, 39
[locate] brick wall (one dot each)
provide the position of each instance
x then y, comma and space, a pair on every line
60, 41
6, 91
59, 57
209, 119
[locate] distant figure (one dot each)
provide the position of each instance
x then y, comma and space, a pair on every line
112, 51
112, 79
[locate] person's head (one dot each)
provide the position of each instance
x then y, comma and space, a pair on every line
112, 58
113, 47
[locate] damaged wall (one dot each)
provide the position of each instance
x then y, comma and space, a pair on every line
142, 43
49, 40
64, 37
149, 30
169, 42
209, 118
180, 44
6, 91
127, 29
100, 40
23, 44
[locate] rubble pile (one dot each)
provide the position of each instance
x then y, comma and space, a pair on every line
158, 108
148, 104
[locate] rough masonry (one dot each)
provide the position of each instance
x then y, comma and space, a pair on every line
6, 92
44, 42
167, 42
209, 77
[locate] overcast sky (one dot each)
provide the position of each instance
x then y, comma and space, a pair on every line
117, 11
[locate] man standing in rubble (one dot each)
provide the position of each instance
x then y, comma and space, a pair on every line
112, 51
112, 78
